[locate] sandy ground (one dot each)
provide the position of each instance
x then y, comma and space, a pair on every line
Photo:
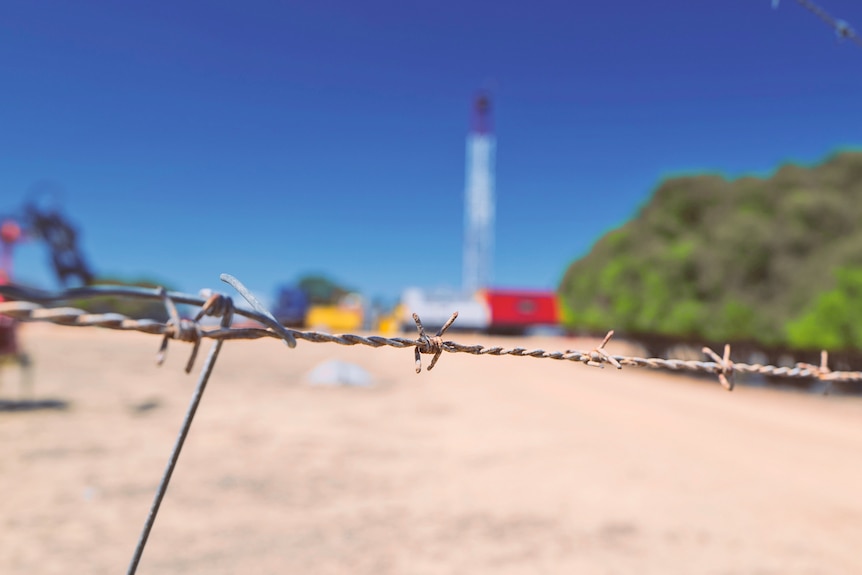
484, 465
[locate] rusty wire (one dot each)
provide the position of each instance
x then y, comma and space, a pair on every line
28, 304
35, 305
842, 29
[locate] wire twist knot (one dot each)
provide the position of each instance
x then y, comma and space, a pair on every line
180, 329
723, 366
216, 304
598, 357
824, 373
186, 330
431, 345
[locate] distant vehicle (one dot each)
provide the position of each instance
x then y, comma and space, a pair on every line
492, 310
345, 316
291, 306
435, 307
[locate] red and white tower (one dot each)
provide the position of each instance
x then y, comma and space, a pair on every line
479, 199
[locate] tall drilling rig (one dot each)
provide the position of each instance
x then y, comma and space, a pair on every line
479, 199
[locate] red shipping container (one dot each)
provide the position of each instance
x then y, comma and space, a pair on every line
520, 309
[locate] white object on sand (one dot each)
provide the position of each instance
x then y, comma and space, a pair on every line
334, 372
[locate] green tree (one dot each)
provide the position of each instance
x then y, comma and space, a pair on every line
834, 321
724, 259
322, 290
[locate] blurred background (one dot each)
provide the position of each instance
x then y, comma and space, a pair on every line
686, 173
672, 170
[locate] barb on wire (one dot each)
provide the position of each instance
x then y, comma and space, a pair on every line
34, 305
598, 357
723, 366
181, 329
27, 304
215, 305
430, 344
823, 372
842, 29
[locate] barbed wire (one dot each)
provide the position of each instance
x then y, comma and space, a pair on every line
31, 305
842, 29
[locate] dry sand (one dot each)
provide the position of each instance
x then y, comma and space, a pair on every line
484, 465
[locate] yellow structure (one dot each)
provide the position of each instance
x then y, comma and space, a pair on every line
391, 324
346, 316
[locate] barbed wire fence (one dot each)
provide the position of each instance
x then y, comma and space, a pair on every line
842, 29
32, 305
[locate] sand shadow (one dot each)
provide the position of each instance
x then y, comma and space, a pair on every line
8, 405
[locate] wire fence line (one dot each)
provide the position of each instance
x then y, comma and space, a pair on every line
27, 304
842, 29
32, 305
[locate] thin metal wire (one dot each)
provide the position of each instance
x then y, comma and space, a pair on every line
267, 317
30, 308
842, 29
174, 457
36, 305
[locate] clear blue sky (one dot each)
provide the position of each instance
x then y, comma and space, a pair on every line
274, 139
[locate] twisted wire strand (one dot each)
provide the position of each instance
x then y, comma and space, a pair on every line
39, 306
842, 28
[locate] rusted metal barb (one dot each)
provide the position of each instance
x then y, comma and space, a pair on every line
598, 357
430, 345
823, 372
32, 307
723, 366
842, 29
180, 329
